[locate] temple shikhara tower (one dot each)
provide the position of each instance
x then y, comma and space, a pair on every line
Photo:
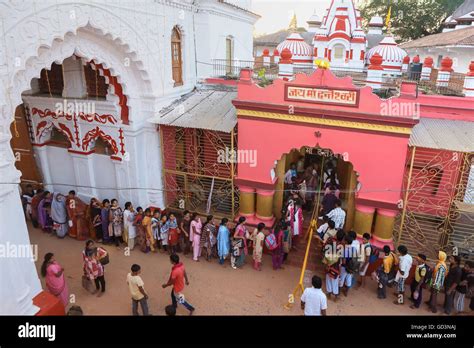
340, 38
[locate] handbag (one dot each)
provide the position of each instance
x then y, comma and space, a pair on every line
87, 283
104, 259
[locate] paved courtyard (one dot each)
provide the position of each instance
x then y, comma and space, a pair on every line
213, 290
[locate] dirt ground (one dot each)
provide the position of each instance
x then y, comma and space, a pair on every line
213, 289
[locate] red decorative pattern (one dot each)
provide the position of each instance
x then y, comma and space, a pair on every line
118, 91
76, 128
41, 125
49, 113
103, 119
94, 134
66, 131
122, 145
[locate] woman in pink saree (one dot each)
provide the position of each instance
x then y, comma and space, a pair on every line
54, 276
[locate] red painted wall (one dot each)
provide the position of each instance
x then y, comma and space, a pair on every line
379, 159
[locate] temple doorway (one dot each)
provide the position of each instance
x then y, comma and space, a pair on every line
318, 172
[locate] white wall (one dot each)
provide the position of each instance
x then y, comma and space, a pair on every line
214, 23
105, 177
461, 56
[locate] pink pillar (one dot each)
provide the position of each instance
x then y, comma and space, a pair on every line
383, 229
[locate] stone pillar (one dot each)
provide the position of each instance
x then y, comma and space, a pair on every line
85, 177
363, 219
42, 153
276, 56
74, 78
265, 205
247, 201
266, 57
426, 70
285, 65
383, 230
406, 62
444, 72
375, 72
469, 81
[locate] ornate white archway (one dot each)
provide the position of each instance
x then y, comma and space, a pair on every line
36, 35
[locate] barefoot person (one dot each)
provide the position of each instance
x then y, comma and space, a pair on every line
54, 276
177, 279
258, 237
93, 268
196, 227
223, 240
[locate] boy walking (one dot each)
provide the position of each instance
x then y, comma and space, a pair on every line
137, 291
177, 278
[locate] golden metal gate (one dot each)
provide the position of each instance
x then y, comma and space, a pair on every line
438, 205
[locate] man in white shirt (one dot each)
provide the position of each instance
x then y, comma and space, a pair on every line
338, 215
314, 300
404, 266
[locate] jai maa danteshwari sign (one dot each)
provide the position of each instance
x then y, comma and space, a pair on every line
322, 95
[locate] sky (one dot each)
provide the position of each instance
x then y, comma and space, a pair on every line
276, 14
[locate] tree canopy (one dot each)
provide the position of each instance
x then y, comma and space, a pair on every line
411, 19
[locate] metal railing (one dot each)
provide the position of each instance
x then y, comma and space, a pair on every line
428, 85
266, 72
230, 69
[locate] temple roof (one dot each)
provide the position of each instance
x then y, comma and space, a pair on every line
207, 107
466, 7
274, 39
463, 36
443, 134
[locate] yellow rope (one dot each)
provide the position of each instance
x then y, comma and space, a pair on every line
299, 287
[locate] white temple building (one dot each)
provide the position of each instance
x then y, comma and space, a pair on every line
337, 38
81, 92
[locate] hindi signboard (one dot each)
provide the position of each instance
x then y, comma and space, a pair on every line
322, 95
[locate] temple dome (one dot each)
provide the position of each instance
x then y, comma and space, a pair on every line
300, 50
392, 54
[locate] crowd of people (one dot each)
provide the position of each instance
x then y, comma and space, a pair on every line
346, 256
150, 230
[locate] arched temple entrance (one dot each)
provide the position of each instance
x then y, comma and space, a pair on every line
331, 113
26, 54
318, 171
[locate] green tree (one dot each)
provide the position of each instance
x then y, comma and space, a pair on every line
411, 19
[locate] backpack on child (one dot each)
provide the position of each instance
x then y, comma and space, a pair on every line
428, 275
271, 242
374, 253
